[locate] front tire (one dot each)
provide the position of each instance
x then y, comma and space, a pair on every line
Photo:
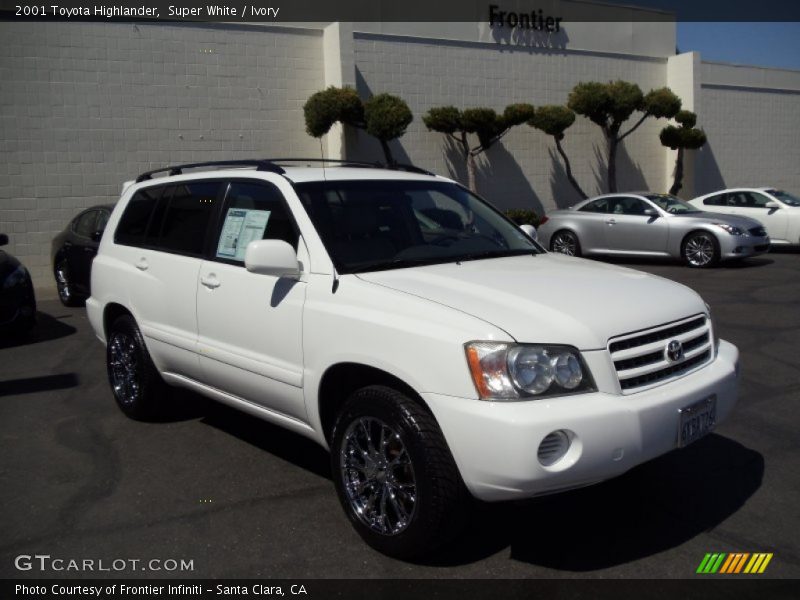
565, 242
134, 379
394, 474
700, 250
66, 289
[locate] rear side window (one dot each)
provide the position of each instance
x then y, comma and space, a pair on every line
185, 219
85, 224
718, 200
253, 211
133, 224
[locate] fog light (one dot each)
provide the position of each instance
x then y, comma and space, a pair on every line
553, 447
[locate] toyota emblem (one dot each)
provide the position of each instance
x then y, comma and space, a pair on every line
674, 351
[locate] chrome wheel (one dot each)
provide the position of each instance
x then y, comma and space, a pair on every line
377, 476
62, 282
699, 250
565, 243
124, 367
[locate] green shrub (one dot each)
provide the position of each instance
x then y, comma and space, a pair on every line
523, 216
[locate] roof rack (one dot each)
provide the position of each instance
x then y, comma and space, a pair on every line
260, 164
270, 164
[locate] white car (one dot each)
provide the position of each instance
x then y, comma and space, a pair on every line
776, 210
406, 325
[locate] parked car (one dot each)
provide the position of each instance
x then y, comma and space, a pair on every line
404, 324
777, 210
73, 250
650, 224
17, 299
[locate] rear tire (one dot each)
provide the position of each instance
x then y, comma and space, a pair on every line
700, 250
394, 474
565, 242
135, 382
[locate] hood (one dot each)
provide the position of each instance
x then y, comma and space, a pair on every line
734, 220
549, 298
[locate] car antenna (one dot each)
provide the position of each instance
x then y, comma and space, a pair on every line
335, 285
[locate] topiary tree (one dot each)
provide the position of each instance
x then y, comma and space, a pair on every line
685, 137
554, 120
385, 117
484, 123
609, 105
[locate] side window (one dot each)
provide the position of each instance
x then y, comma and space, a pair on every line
253, 211
102, 221
133, 224
186, 218
755, 200
84, 225
597, 206
627, 206
718, 200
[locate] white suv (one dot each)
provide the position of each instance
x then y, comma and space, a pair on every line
406, 325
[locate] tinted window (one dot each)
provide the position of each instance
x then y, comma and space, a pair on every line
718, 200
755, 200
186, 218
786, 197
133, 224
596, 206
626, 206
253, 211
84, 225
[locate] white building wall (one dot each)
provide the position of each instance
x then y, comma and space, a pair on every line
751, 117
85, 106
522, 170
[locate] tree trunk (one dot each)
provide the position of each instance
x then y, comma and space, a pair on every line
471, 176
677, 183
568, 169
612, 163
387, 153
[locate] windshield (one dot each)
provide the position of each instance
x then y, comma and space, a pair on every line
671, 204
785, 197
371, 225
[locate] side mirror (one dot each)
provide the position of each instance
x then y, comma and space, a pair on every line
650, 212
529, 230
272, 257
772, 205
3, 239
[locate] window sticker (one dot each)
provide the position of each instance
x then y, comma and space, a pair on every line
241, 227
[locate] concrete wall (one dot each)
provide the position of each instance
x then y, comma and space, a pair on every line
85, 106
752, 118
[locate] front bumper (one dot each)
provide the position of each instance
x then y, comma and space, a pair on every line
495, 443
742, 246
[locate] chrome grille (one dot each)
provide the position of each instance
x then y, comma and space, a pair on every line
641, 360
758, 232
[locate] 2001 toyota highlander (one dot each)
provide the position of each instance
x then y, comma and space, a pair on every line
406, 325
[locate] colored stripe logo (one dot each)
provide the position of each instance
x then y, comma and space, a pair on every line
734, 563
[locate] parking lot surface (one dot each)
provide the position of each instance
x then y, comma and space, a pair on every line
241, 498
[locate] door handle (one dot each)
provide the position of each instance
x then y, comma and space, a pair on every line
142, 264
211, 282
610, 221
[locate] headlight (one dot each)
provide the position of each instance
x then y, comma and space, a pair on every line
17, 277
730, 228
503, 371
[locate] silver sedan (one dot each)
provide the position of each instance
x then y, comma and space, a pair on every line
649, 224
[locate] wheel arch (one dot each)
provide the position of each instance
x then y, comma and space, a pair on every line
342, 379
111, 313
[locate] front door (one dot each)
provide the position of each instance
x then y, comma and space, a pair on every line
250, 325
754, 205
629, 229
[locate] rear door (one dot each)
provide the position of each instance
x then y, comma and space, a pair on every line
629, 229
161, 243
250, 325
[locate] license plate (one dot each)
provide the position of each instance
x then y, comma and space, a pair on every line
696, 420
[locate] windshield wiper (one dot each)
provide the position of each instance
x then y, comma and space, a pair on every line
496, 254
400, 263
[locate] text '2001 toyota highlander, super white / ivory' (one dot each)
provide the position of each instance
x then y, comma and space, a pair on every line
402, 322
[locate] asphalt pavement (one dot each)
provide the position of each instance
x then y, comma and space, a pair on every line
236, 497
